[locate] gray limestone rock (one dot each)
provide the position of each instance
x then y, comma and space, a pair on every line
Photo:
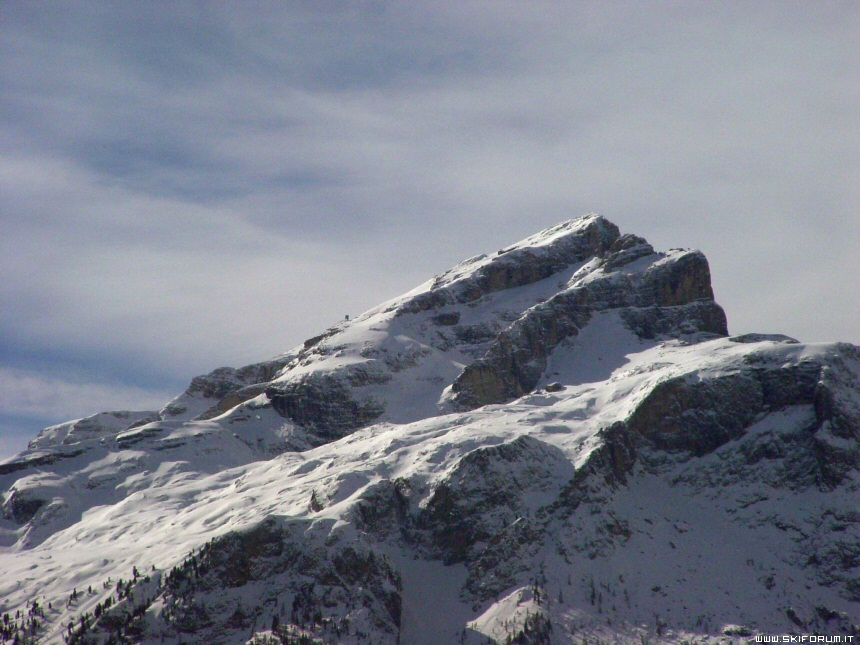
221, 389
671, 297
323, 403
484, 494
577, 241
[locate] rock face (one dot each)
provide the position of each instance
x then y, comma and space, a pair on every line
527, 262
487, 491
551, 443
205, 593
671, 297
212, 394
323, 405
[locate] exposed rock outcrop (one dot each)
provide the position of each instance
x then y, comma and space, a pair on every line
672, 297
320, 591
699, 413
218, 391
324, 405
534, 259
489, 490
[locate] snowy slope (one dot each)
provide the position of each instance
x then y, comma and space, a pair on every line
552, 442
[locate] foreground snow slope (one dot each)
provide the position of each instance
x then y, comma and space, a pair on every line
552, 442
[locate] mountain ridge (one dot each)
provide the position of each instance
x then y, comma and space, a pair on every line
547, 434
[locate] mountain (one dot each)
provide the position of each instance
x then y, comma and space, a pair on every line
555, 442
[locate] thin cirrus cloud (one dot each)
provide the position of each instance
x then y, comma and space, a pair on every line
197, 184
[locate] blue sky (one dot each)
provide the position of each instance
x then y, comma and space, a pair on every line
196, 184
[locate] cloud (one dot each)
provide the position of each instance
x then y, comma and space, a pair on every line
197, 184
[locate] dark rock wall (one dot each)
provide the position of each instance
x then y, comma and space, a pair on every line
324, 405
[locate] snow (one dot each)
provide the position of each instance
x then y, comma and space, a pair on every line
104, 423
506, 616
694, 543
154, 515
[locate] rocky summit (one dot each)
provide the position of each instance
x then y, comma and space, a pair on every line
555, 442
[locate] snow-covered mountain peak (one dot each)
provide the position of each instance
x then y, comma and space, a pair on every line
551, 441
481, 332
